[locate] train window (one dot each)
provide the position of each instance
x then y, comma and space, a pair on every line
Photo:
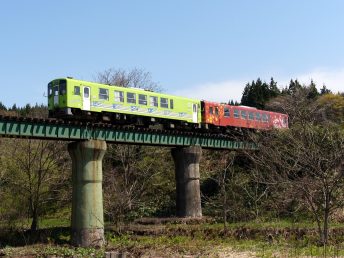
153, 101
258, 117
86, 92
62, 89
142, 99
216, 111
243, 114
56, 90
211, 110
265, 118
164, 102
119, 96
76, 90
131, 97
285, 121
226, 112
251, 115
103, 94
171, 103
236, 113
50, 90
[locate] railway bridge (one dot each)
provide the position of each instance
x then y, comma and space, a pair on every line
87, 143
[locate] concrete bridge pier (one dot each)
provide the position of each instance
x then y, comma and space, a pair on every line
87, 201
186, 160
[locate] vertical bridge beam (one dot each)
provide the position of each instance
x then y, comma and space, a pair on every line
186, 162
87, 204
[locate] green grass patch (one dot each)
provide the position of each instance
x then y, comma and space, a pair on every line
50, 250
201, 246
265, 239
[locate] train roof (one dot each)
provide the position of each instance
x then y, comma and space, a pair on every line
242, 107
135, 89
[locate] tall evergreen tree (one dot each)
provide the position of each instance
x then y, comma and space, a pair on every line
258, 93
2, 106
324, 90
294, 86
313, 92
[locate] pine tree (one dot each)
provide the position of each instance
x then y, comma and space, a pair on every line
258, 93
313, 92
324, 90
2, 106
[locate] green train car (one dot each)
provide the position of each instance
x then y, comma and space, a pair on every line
68, 97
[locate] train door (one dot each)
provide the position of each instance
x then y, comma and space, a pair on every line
194, 113
86, 99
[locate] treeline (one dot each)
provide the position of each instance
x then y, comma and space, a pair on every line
296, 173
258, 93
27, 110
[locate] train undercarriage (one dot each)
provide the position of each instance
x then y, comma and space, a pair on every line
146, 122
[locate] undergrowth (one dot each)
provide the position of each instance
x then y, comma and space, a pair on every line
264, 239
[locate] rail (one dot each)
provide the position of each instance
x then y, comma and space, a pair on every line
52, 129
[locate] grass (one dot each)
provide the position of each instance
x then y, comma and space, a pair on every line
51, 250
201, 240
201, 246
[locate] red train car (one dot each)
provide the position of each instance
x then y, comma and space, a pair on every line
216, 114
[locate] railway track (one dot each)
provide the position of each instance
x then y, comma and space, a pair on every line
69, 130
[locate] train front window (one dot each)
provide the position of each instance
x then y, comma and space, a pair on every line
50, 90
56, 90
62, 87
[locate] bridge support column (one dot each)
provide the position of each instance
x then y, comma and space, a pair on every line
186, 162
87, 201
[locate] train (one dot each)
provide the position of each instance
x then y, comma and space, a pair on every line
69, 98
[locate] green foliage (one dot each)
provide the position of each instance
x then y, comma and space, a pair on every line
39, 111
72, 252
331, 108
312, 92
2, 106
266, 239
58, 251
258, 93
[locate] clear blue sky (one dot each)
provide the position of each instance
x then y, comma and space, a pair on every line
203, 49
